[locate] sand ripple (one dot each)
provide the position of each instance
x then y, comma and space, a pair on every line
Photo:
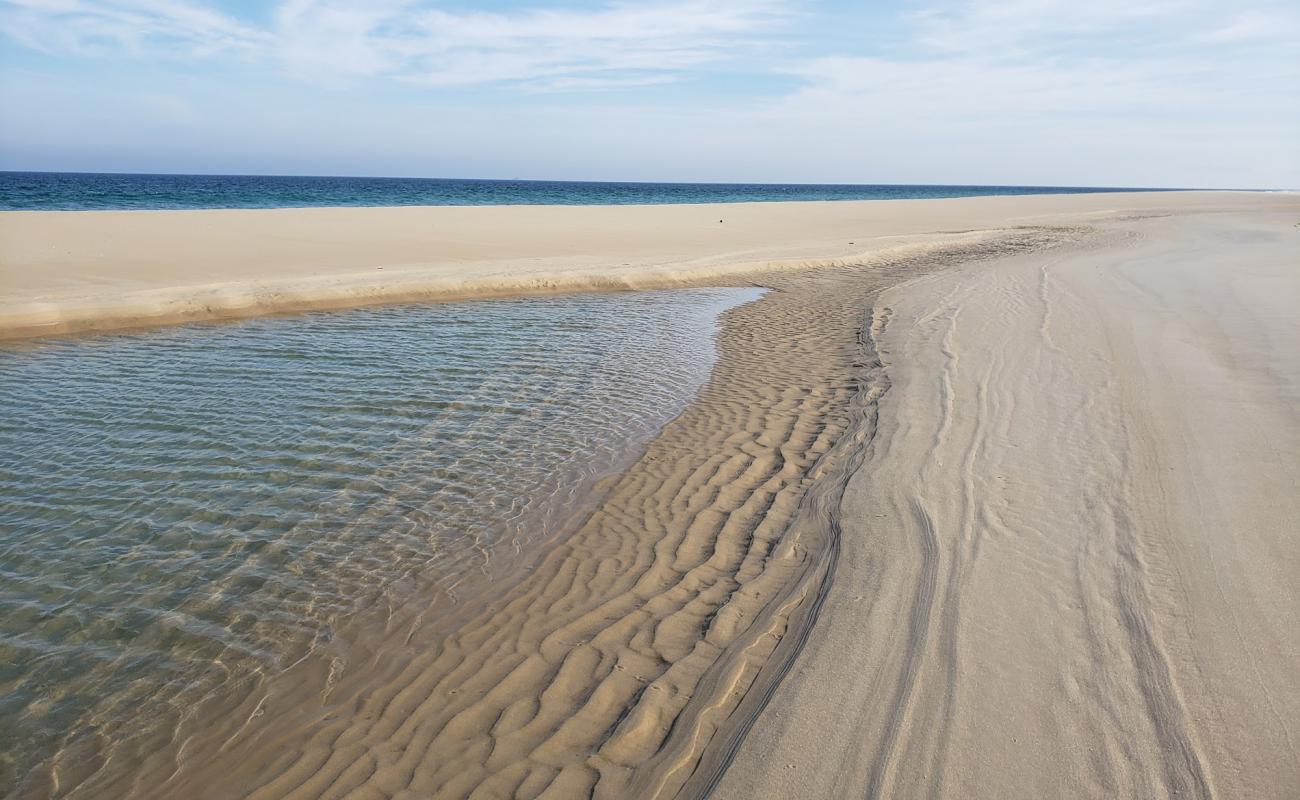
646, 638
190, 513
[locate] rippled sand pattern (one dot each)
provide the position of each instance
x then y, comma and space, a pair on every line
629, 660
188, 514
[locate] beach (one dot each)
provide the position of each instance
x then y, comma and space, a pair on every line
72, 271
985, 497
1070, 557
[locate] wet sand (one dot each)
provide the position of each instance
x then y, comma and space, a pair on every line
1002, 512
610, 662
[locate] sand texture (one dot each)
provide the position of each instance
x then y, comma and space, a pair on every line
1003, 505
1071, 559
617, 657
63, 272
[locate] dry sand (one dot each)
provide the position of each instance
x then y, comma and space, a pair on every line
998, 501
1071, 560
70, 271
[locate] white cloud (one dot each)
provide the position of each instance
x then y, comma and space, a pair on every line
1120, 92
1258, 25
982, 64
1109, 91
136, 26
1015, 27
620, 43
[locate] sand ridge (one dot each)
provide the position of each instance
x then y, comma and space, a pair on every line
65, 272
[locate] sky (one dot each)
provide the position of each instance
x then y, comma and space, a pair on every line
1174, 93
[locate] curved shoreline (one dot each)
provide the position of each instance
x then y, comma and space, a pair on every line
234, 301
78, 271
616, 661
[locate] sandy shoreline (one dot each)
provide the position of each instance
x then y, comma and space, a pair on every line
64, 272
619, 655
1070, 563
1003, 511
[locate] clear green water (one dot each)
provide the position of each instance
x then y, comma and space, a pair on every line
181, 507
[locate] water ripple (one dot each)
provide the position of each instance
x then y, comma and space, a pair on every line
186, 507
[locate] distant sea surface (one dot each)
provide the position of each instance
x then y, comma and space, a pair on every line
70, 191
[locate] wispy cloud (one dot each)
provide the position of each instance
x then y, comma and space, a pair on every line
980, 58
1259, 25
620, 43
638, 41
1161, 92
135, 26
1047, 26
1124, 87
1010, 28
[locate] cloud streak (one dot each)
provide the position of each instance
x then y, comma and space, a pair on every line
1152, 92
330, 41
139, 27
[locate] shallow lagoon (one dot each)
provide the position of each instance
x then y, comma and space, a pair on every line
186, 507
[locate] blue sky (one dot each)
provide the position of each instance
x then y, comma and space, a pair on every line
1103, 92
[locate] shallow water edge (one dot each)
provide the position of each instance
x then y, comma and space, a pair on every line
194, 512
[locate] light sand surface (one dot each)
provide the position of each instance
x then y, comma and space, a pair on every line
63, 272
1007, 510
1071, 561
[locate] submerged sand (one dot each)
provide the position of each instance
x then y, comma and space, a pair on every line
1001, 504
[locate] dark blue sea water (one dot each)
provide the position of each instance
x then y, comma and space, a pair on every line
76, 191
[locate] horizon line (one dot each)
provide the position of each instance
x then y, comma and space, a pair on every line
628, 182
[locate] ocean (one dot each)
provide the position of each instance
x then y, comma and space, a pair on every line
65, 191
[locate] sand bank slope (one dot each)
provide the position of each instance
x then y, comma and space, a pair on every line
69, 271
1071, 562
